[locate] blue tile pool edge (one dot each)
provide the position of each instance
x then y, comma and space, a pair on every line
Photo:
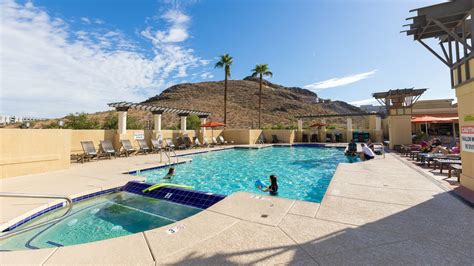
60, 205
188, 197
192, 198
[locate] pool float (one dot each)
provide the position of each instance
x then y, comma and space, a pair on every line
159, 185
260, 184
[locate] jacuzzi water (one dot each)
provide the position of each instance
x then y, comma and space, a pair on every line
303, 173
100, 218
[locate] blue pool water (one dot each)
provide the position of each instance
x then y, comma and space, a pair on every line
100, 218
303, 173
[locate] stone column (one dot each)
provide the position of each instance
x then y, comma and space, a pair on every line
183, 123
322, 131
157, 124
202, 131
122, 127
300, 125
349, 129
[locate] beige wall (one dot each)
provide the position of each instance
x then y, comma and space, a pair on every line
465, 95
89, 134
239, 136
399, 130
285, 136
31, 151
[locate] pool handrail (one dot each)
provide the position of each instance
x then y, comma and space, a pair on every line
68, 200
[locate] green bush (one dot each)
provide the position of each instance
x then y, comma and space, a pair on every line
80, 121
193, 122
111, 122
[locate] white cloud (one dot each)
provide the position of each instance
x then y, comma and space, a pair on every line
86, 20
337, 82
49, 70
206, 75
177, 32
372, 101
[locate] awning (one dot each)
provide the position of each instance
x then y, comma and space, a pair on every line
434, 119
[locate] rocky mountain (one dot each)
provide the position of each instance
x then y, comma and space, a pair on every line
280, 104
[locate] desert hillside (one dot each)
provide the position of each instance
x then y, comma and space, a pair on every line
280, 105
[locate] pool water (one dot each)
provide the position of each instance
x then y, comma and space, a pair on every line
303, 173
110, 216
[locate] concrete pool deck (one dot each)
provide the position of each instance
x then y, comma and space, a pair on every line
381, 211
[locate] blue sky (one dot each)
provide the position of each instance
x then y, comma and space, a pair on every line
68, 56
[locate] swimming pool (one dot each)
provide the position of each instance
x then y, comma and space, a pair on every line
100, 218
303, 172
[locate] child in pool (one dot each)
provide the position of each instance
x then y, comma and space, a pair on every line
273, 188
170, 173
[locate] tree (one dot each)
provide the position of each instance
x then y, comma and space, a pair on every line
193, 122
225, 62
261, 70
80, 121
111, 122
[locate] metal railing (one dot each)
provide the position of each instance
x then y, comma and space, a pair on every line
36, 196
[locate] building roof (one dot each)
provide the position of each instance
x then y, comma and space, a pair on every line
154, 108
432, 21
398, 93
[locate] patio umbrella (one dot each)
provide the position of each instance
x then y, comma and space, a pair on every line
318, 125
212, 125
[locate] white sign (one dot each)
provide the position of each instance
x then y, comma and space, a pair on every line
138, 135
467, 138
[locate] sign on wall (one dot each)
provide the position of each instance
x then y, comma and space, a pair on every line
138, 135
467, 138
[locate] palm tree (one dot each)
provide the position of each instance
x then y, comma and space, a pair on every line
261, 70
225, 62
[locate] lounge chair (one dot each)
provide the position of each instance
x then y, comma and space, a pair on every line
89, 151
156, 145
205, 143
275, 139
169, 144
107, 148
188, 142
223, 141
314, 138
197, 143
127, 147
181, 143
304, 138
214, 141
143, 146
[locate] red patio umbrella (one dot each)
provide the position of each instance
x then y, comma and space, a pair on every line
212, 125
318, 125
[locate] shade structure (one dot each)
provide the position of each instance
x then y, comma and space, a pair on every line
212, 125
318, 125
434, 119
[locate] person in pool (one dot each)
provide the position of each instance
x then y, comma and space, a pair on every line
273, 188
351, 148
170, 173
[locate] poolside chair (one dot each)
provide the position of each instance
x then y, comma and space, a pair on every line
188, 142
143, 146
169, 145
126, 147
205, 143
181, 144
314, 138
214, 141
221, 140
275, 139
107, 149
304, 138
197, 143
156, 145
89, 151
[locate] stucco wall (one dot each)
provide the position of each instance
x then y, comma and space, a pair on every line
30, 151
465, 95
89, 135
239, 136
399, 130
284, 136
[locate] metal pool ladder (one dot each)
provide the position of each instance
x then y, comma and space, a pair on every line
36, 196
